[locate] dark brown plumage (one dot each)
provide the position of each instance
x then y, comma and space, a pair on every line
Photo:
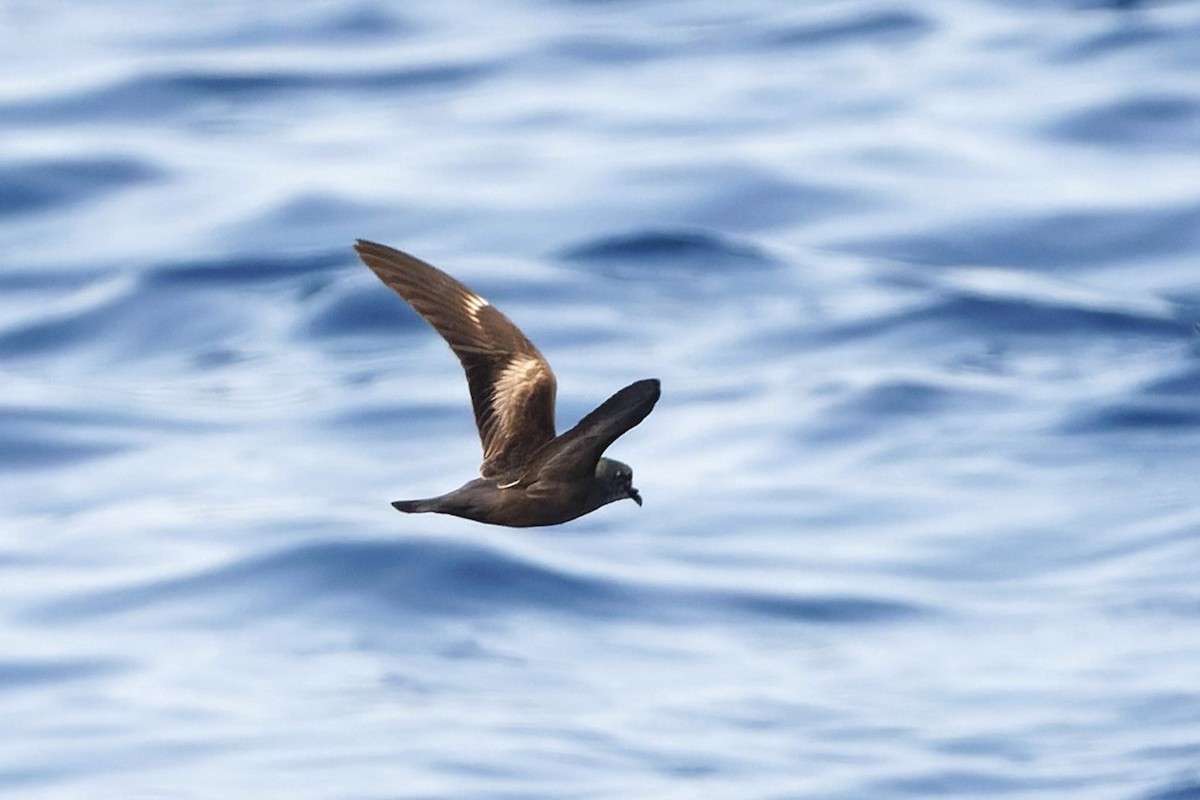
528, 475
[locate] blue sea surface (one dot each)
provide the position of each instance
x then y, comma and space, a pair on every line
921, 281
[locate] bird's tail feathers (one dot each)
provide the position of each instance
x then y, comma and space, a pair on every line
414, 506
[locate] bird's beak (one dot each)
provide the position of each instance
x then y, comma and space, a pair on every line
634, 496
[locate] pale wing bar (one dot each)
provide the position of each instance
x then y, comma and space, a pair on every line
512, 386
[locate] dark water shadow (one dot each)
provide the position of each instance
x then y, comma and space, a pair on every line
19, 675
1181, 790
667, 254
234, 270
38, 186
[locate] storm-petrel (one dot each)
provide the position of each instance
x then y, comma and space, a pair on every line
529, 476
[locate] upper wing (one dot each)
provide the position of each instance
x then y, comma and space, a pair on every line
512, 385
574, 454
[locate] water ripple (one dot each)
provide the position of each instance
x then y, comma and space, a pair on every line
1056, 241
361, 310
1156, 120
439, 578
974, 314
49, 184
167, 96
879, 26
16, 675
246, 268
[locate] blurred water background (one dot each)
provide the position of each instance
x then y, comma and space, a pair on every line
920, 280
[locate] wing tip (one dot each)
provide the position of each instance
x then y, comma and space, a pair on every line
648, 387
362, 246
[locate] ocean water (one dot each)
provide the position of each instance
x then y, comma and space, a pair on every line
921, 281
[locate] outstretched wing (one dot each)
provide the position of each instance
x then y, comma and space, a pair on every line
573, 456
512, 385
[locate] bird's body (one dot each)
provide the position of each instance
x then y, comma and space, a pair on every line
483, 500
529, 475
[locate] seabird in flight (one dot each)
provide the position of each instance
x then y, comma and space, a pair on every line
529, 475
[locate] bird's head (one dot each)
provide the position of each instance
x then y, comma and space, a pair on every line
616, 481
